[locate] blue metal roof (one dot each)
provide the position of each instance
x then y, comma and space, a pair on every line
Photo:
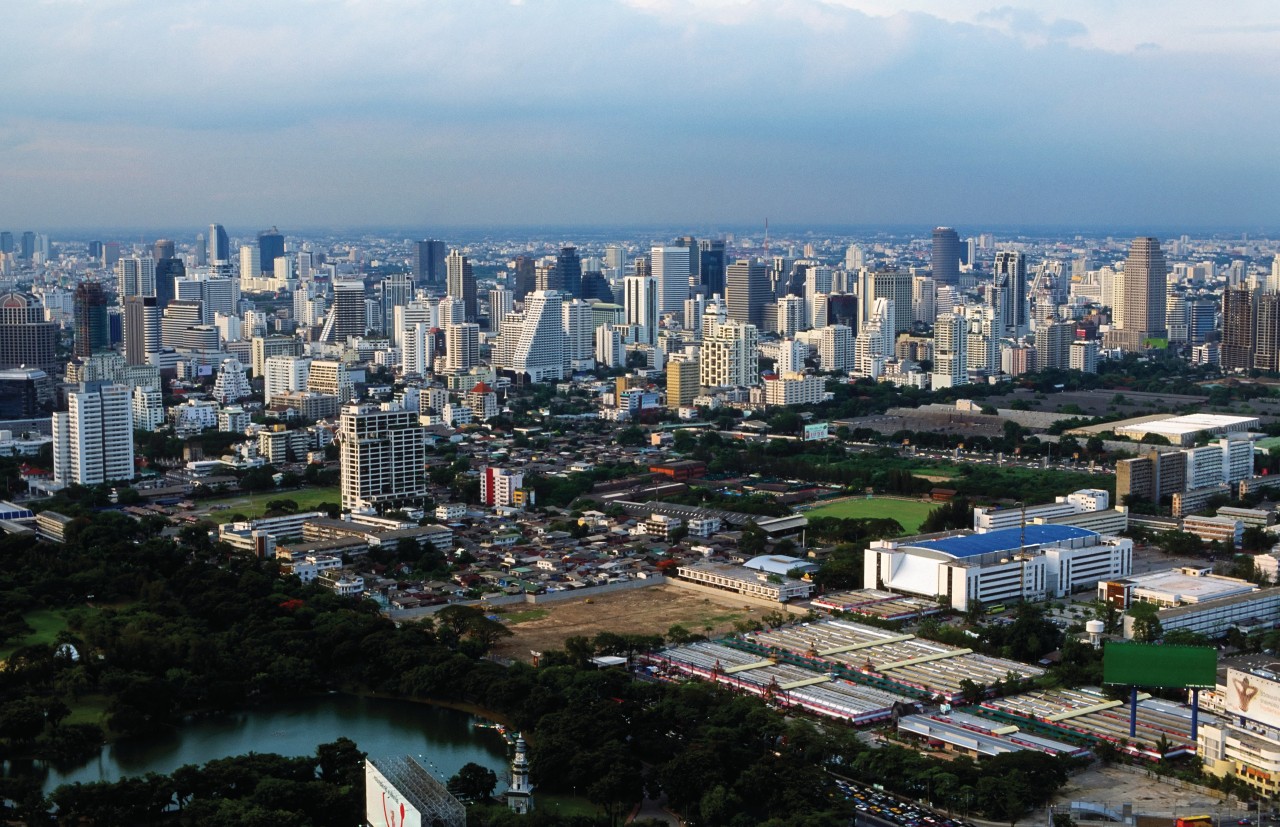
1005, 539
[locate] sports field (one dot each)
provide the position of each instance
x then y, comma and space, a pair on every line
255, 505
909, 513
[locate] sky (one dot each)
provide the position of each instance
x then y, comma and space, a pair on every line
437, 113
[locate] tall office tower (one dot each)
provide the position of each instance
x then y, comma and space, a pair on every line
305, 263
641, 266
175, 322
1140, 290
417, 349
93, 438
539, 352
250, 262
200, 253
1011, 284
1272, 284
670, 269
1177, 318
141, 329
419, 311
1053, 345
836, 349
950, 334
1266, 340
92, 332
524, 276
110, 254
396, 291
1203, 315
462, 283
462, 347
263, 348
746, 291
284, 374
270, 248
896, 285
727, 357
428, 261
579, 348
690, 245
26, 339
382, 454
854, 258
569, 272
596, 286
135, 276
610, 351
331, 377
219, 245
167, 270
347, 317
682, 380
791, 316
1237, 329
640, 304
945, 257
711, 265
27, 247
615, 258
6, 242
501, 302
162, 249
373, 318
546, 276
923, 299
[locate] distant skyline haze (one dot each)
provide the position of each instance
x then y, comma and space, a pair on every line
134, 113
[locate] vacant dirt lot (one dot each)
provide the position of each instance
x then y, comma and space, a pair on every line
641, 611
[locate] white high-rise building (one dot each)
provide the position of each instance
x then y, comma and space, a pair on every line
923, 299
791, 316
383, 455
462, 347
148, 408
284, 374
640, 304
1083, 355
950, 334
418, 311
874, 344
579, 345
250, 262
670, 269
539, 352
93, 438
897, 285
982, 342
135, 276
727, 357
791, 356
501, 302
836, 349
231, 383
452, 311
609, 349
417, 349
694, 307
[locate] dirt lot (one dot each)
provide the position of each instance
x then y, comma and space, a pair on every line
1148, 794
640, 611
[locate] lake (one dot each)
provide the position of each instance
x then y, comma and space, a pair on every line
443, 739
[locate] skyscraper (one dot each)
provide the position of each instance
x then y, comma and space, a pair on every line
461, 284
1236, 351
747, 291
711, 265
501, 302
382, 453
162, 249
1011, 285
895, 285
135, 276
1140, 297
640, 304
524, 276
141, 329
428, 261
219, 245
950, 334
539, 352
92, 332
270, 248
397, 291
945, 258
167, 269
347, 316
1266, 340
26, 339
670, 268
727, 357
569, 270
93, 438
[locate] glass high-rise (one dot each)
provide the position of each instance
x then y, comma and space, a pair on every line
945, 256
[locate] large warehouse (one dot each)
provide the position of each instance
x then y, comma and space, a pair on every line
1032, 563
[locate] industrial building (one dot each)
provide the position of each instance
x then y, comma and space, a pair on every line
1183, 430
746, 581
1012, 564
981, 737
1254, 610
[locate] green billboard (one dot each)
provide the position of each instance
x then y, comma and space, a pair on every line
1146, 664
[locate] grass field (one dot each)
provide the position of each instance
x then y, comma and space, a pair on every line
255, 505
47, 623
910, 513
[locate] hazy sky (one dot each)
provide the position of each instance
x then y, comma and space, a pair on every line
444, 112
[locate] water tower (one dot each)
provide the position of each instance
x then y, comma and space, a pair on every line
1094, 629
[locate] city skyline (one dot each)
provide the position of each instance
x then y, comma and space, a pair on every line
809, 112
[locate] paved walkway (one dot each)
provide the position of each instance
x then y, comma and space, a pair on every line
654, 809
